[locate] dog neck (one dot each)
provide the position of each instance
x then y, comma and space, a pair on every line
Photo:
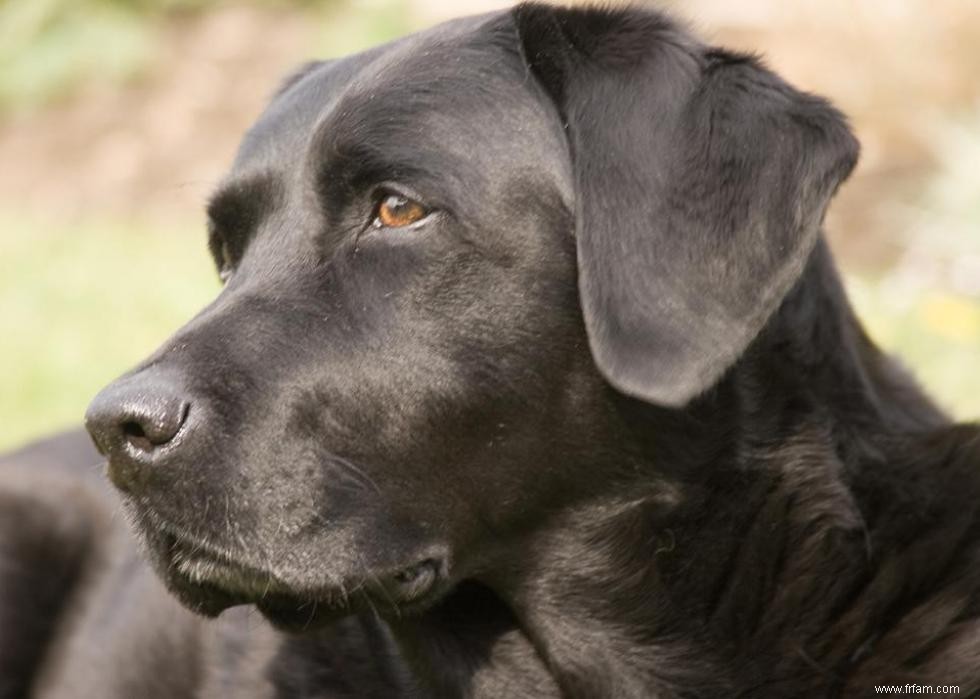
775, 537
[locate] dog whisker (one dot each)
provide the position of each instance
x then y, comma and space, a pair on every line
350, 468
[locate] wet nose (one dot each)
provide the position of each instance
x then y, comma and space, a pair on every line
132, 421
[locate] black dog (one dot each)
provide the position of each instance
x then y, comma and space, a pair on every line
532, 376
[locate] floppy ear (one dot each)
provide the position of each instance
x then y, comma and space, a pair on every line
701, 181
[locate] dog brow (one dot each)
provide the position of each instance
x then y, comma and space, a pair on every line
238, 193
240, 204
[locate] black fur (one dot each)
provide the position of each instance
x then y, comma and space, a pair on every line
602, 425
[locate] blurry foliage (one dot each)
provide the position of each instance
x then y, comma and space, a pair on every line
342, 32
935, 335
47, 47
943, 239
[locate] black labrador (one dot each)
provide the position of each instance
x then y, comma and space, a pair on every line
531, 376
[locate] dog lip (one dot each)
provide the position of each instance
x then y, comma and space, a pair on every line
209, 580
203, 565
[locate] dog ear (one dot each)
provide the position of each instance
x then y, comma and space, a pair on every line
701, 180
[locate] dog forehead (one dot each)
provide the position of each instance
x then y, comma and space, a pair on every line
441, 85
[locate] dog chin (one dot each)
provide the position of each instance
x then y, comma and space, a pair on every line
209, 581
209, 584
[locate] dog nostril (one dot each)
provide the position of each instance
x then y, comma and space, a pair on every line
154, 428
142, 423
133, 429
134, 434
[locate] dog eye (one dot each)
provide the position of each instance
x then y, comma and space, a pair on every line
397, 211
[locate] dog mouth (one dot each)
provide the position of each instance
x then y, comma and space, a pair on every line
203, 566
210, 580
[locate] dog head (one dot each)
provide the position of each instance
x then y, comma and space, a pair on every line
442, 258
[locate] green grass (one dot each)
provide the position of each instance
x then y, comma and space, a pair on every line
81, 304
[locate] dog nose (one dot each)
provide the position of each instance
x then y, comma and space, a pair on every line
130, 421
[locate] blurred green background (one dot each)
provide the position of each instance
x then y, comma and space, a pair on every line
118, 116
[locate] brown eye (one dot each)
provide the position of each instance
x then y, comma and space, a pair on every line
396, 211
